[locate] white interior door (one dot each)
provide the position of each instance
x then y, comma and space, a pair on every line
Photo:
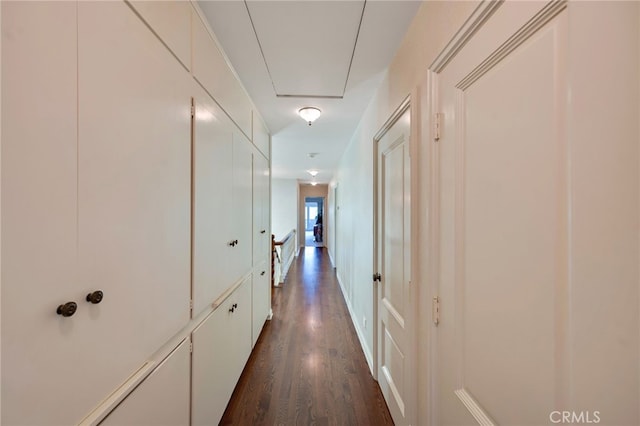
523, 196
394, 326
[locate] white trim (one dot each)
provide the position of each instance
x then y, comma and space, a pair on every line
474, 408
363, 343
404, 105
477, 19
550, 11
119, 395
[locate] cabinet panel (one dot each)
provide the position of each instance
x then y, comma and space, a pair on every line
162, 398
134, 190
261, 224
221, 347
260, 299
261, 138
242, 204
211, 70
212, 204
39, 215
171, 20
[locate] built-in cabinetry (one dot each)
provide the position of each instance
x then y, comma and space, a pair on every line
133, 196
221, 347
162, 398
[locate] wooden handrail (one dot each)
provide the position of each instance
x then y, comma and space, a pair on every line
285, 239
287, 248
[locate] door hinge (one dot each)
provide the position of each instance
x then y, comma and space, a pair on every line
191, 304
437, 125
191, 347
377, 277
436, 310
193, 111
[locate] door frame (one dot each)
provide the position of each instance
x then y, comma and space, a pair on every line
410, 102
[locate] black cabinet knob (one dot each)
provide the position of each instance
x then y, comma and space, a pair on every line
263, 231
95, 297
232, 309
263, 272
231, 243
67, 309
235, 306
235, 242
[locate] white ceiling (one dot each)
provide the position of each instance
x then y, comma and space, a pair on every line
328, 54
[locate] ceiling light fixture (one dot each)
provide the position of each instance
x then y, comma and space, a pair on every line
313, 173
309, 114
314, 183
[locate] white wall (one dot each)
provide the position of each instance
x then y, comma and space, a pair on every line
284, 206
434, 25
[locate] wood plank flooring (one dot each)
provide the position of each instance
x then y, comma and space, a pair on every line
308, 367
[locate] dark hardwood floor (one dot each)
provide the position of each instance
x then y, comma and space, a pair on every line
308, 367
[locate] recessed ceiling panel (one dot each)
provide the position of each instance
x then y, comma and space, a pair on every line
307, 45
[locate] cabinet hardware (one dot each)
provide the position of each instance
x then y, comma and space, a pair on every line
231, 243
67, 309
95, 297
263, 231
263, 272
233, 308
377, 277
235, 242
235, 305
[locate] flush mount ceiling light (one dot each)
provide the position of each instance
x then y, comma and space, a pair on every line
313, 173
314, 183
309, 114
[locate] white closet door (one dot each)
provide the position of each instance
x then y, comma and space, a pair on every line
242, 205
134, 192
43, 380
260, 299
212, 204
162, 399
261, 228
221, 347
539, 217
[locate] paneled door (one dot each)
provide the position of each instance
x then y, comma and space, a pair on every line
529, 201
394, 322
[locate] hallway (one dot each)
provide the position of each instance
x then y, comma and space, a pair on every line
307, 366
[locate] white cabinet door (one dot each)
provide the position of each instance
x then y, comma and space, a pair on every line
42, 376
221, 347
242, 205
162, 398
260, 299
261, 228
134, 192
213, 229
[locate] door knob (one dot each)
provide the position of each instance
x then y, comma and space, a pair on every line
67, 309
95, 297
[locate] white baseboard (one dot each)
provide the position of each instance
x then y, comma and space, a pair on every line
333, 263
363, 342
